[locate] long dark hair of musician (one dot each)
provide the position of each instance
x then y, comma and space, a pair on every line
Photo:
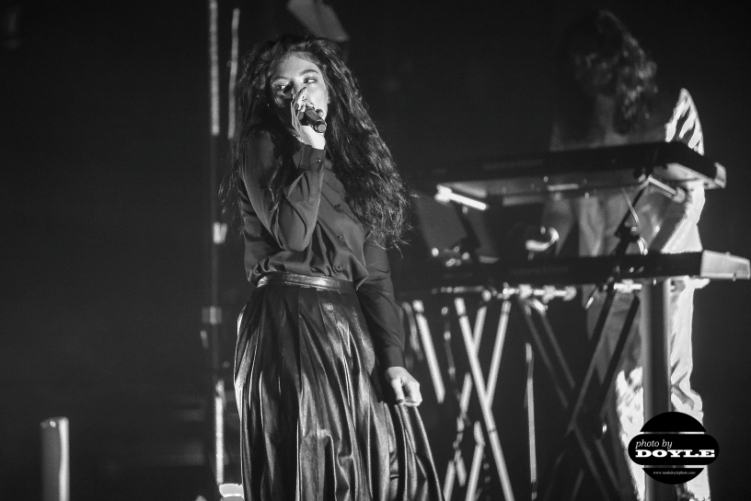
598, 55
361, 160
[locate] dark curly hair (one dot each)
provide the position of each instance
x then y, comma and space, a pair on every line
598, 55
360, 158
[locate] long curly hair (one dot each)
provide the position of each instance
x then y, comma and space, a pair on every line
360, 158
598, 55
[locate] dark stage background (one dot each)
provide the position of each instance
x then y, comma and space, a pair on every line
103, 154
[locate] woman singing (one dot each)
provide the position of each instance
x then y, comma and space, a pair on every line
327, 408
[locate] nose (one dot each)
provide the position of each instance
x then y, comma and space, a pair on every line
297, 87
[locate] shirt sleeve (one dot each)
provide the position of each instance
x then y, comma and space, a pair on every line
684, 126
292, 221
379, 307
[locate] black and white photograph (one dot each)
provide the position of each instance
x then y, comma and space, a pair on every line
303, 250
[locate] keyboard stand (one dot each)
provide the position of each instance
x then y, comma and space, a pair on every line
586, 445
582, 435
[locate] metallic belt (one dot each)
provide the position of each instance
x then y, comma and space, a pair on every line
278, 277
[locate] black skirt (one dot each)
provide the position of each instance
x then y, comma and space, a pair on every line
314, 423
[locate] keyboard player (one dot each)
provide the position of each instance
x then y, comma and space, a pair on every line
607, 96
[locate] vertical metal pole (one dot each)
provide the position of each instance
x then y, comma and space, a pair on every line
213, 314
216, 230
474, 472
219, 406
233, 68
531, 433
429, 350
55, 459
655, 305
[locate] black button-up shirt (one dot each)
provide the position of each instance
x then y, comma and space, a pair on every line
313, 231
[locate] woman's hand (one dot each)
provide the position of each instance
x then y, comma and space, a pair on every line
304, 133
406, 388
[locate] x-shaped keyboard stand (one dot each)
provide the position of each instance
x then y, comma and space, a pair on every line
475, 380
573, 396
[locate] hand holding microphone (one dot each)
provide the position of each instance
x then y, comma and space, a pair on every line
304, 114
312, 117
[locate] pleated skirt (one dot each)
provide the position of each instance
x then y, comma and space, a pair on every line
314, 422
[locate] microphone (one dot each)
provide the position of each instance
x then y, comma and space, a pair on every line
311, 117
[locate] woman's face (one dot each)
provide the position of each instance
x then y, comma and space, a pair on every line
294, 74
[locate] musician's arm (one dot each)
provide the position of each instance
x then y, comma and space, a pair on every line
684, 126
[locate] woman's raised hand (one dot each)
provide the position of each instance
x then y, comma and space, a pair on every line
304, 133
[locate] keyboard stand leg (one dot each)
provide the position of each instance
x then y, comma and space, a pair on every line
623, 339
656, 353
562, 390
600, 400
591, 451
529, 394
580, 393
485, 397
